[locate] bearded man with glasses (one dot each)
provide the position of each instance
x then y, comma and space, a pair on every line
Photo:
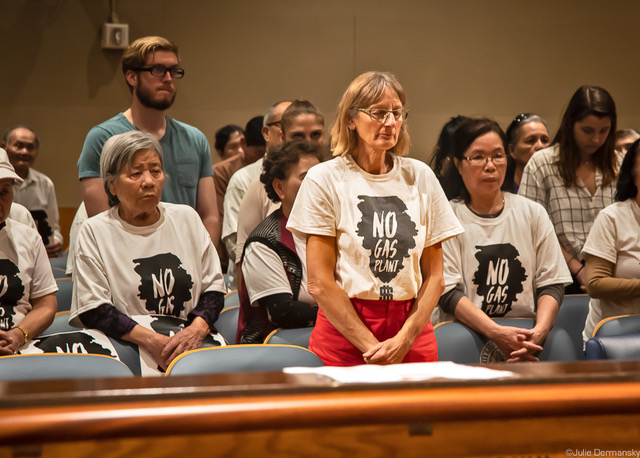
151, 69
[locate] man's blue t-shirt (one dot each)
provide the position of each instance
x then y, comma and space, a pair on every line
187, 156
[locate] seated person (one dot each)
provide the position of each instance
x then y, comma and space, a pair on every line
36, 190
273, 264
229, 141
625, 138
508, 262
526, 134
28, 289
612, 250
143, 256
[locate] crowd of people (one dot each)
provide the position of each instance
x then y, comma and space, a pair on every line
341, 233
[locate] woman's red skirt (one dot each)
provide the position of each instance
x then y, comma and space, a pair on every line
384, 319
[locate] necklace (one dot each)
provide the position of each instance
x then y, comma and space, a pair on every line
490, 215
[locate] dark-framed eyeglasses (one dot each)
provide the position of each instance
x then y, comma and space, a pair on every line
480, 160
159, 71
274, 123
382, 116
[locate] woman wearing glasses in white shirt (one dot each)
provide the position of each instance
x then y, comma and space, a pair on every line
508, 263
374, 223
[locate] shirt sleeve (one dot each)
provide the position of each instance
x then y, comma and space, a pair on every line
42, 281
551, 267
452, 264
532, 183
263, 272
90, 284
601, 240
313, 211
206, 169
442, 222
89, 161
212, 277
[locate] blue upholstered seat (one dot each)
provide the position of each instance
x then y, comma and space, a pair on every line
47, 366
620, 347
293, 336
242, 358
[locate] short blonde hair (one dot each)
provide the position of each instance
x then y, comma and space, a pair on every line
363, 92
136, 55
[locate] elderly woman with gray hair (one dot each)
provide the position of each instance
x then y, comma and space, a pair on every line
144, 256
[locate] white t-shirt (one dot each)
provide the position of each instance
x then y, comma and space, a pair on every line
22, 215
37, 192
264, 273
615, 237
500, 262
26, 272
238, 185
158, 269
255, 207
381, 223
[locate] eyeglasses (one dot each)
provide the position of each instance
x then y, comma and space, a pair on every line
383, 115
160, 71
480, 160
274, 123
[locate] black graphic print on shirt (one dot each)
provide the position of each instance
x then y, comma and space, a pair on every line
500, 277
42, 223
71, 342
168, 326
388, 234
11, 291
165, 285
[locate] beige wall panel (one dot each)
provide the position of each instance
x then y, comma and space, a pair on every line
488, 57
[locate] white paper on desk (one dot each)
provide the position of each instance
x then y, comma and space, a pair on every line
402, 372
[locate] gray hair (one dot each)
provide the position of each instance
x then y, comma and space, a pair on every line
118, 151
270, 114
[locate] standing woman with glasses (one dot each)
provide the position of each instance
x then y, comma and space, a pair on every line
508, 262
526, 134
374, 223
575, 178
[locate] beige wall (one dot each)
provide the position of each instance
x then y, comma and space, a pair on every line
482, 57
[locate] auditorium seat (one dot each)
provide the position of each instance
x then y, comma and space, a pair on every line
47, 366
617, 325
571, 317
60, 324
460, 344
59, 262
619, 347
59, 272
293, 336
231, 299
227, 323
64, 294
242, 358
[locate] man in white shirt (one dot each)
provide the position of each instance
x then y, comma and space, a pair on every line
36, 192
241, 180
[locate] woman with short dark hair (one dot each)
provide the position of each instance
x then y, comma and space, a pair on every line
508, 262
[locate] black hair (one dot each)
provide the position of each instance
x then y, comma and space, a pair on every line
466, 133
253, 132
279, 160
626, 187
223, 134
